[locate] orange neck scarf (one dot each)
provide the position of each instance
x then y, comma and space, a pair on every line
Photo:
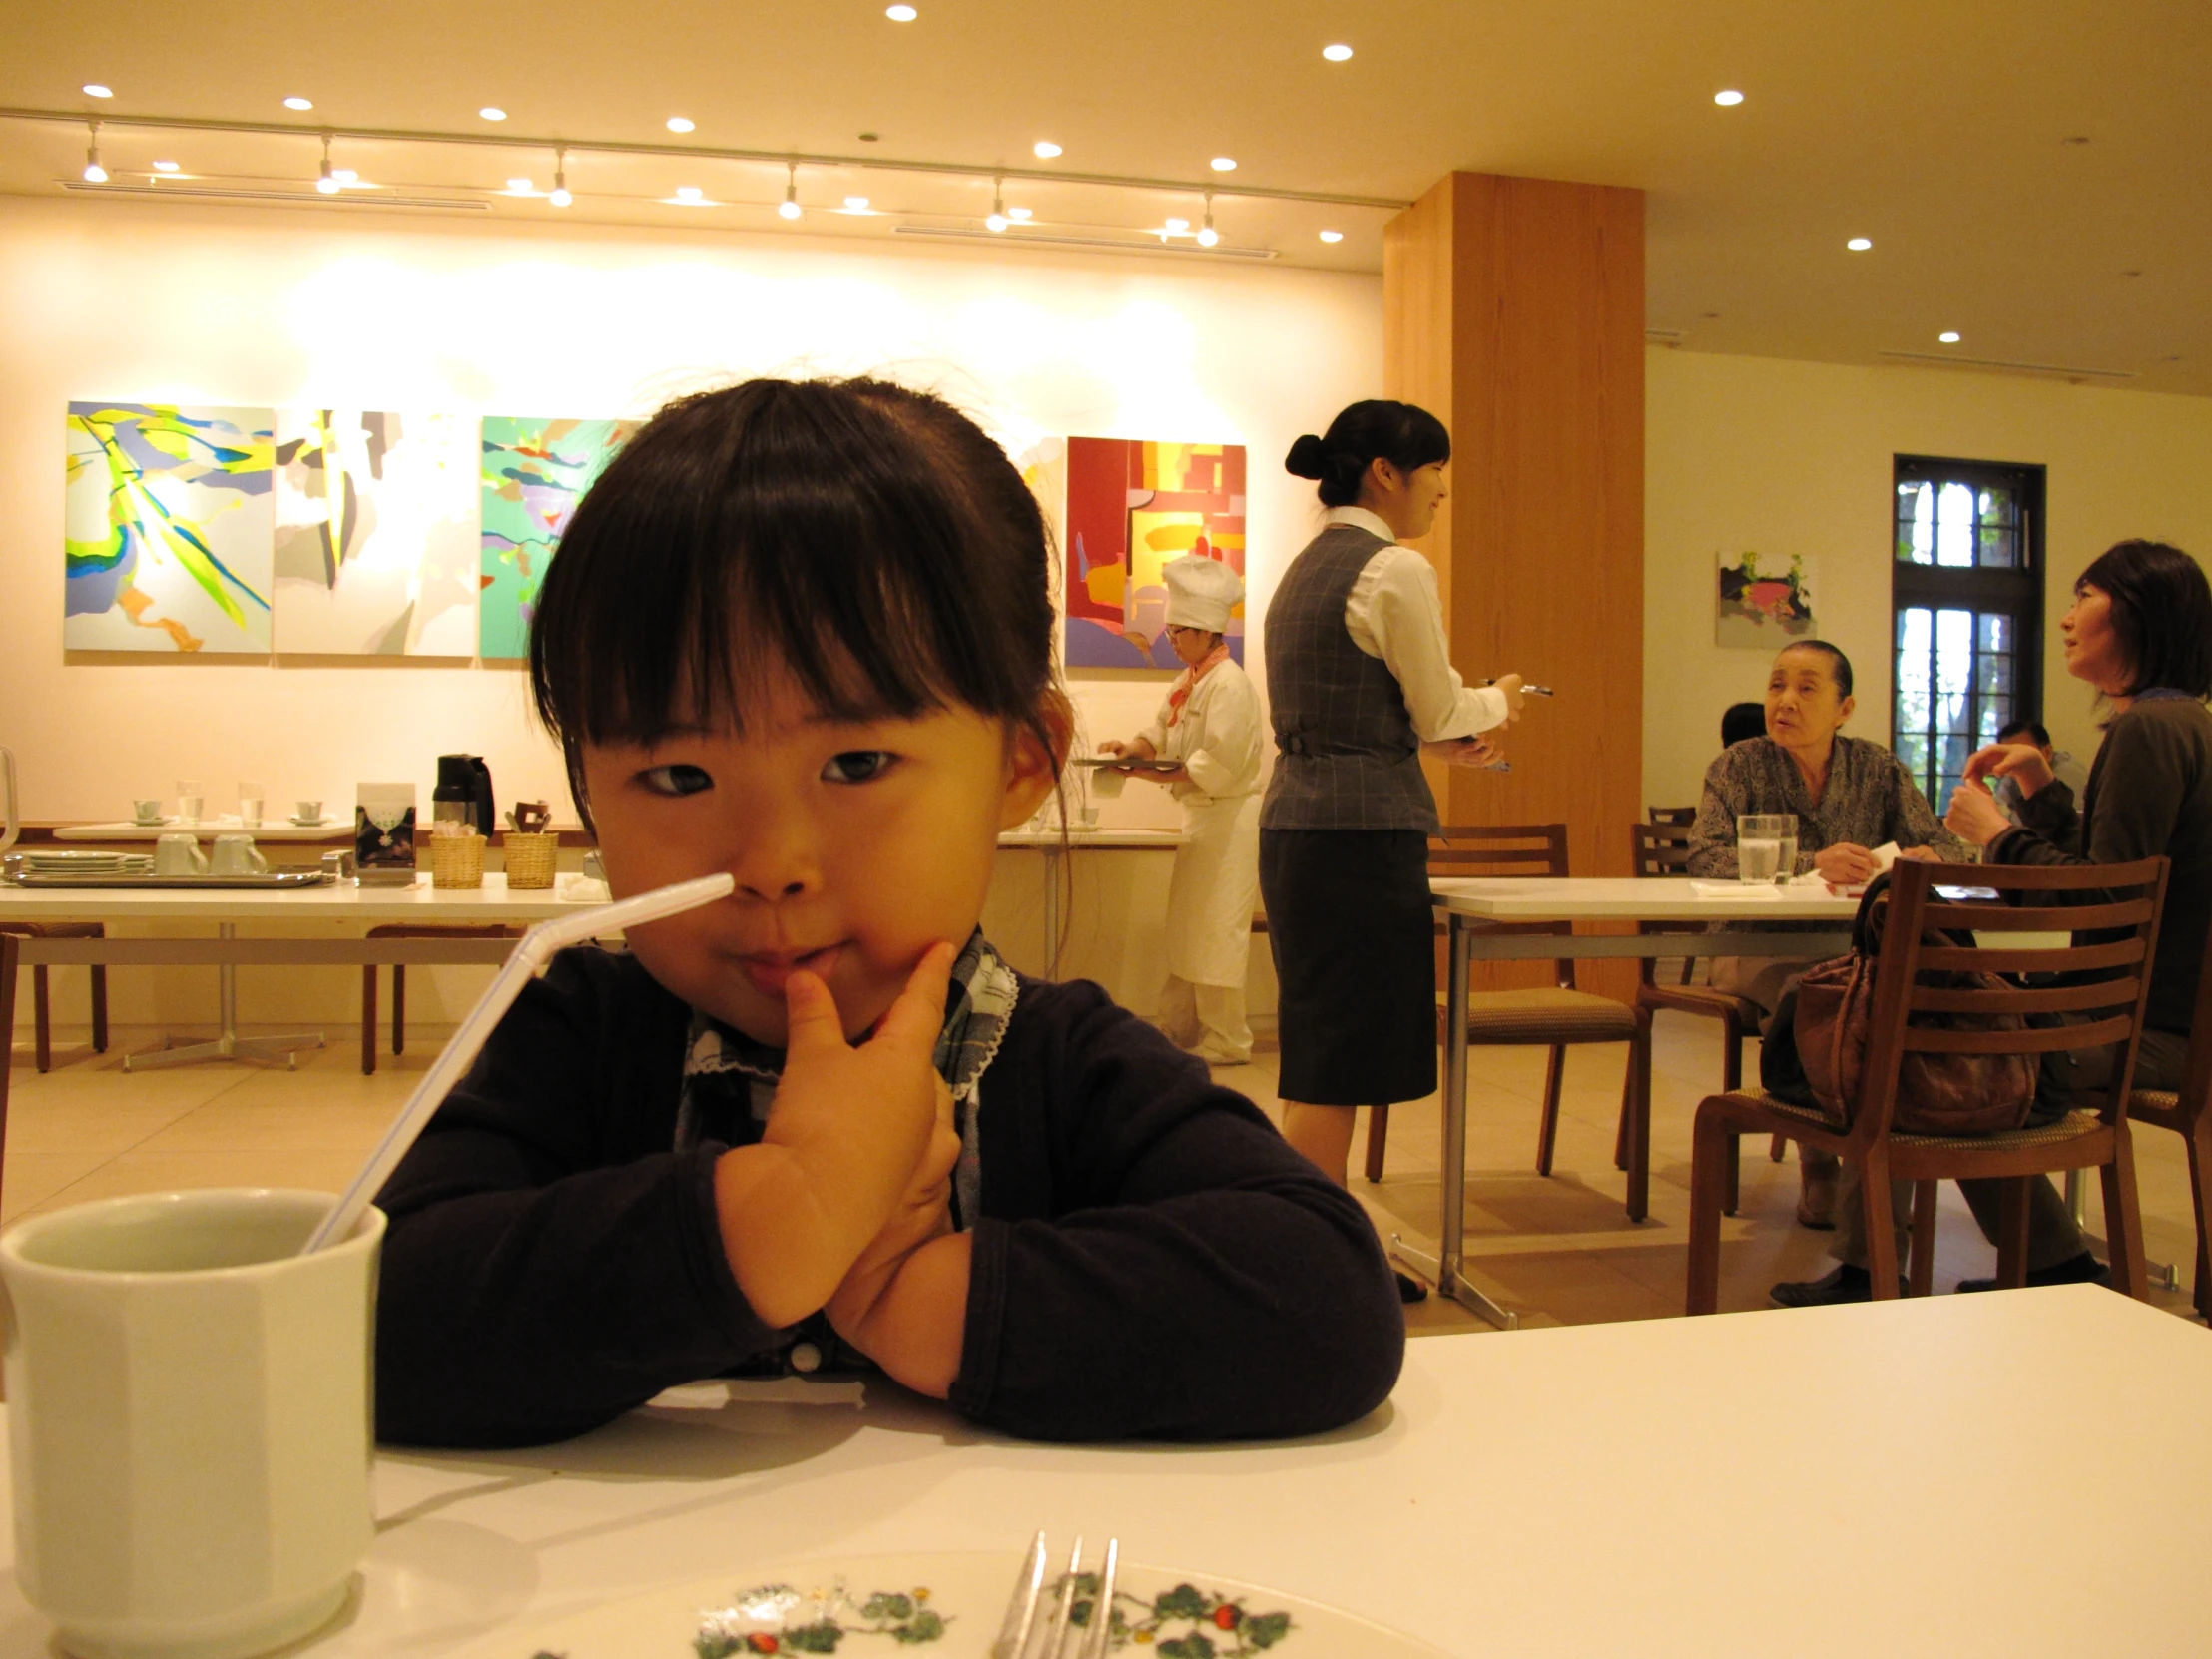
1191, 677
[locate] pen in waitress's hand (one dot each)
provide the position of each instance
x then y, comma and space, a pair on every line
1526, 690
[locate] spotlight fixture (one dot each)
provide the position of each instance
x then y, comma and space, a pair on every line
93, 88
345, 176
997, 220
1336, 54
1950, 337
901, 14
95, 174
1859, 245
1017, 212
1175, 227
165, 167
298, 103
327, 182
559, 195
1223, 164
520, 187
1331, 236
681, 124
1728, 98
788, 208
1207, 234
492, 112
1045, 149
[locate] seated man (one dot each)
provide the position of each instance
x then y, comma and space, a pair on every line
2065, 769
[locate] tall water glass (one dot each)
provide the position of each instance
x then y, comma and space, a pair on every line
1766, 849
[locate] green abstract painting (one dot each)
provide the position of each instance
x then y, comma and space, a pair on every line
169, 528
533, 475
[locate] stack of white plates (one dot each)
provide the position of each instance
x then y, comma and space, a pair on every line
89, 863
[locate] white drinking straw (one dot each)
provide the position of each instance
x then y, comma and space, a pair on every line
532, 952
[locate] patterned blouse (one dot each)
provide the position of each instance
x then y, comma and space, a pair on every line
1869, 799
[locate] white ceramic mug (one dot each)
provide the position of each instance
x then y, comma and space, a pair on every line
179, 854
236, 855
189, 1420
146, 811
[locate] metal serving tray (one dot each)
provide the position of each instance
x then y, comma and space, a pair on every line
281, 880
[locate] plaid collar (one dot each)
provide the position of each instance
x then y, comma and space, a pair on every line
730, 1080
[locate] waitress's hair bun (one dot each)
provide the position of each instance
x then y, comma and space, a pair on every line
1403, 434
1308, 459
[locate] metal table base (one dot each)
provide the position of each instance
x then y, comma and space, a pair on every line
230, 1045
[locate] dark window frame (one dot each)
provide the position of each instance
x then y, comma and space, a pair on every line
2016, 591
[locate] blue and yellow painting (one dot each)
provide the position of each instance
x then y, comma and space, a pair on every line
169, 528
534, 472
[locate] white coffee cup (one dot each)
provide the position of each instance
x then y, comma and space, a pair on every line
188, 1420
307, 812
147, 812
235, 855
178, 855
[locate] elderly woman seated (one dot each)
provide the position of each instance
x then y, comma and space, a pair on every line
1849, 796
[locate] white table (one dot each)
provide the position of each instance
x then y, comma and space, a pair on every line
207, 829
1474, 908
1055, 847
1867, 1479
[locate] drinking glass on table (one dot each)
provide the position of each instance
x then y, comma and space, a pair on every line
190, 798
1766, 849
250, 797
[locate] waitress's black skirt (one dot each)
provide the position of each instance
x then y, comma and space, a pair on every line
1354, 937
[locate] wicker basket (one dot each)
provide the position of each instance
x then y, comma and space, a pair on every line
530, 857
458, 861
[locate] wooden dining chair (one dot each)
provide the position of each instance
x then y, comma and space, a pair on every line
1663, 849
2188, 1113
1677, 818
410, 931
1554, 1017
42, 1007
2120, 903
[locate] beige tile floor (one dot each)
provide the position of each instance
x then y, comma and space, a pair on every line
1561, 1251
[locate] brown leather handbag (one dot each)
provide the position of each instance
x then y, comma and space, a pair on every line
1937, 1094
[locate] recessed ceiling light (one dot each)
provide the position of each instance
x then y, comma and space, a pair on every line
492, 112
1017, 212
1045, 149
299, 103
1950, 337
690, 193
1175, 227
1223, 164
165, 167
901, 14
519, 186
1336, 54
855, 203
871, 138
1728, 99
1859, 245
1331, 236
93, 88
346, 174
681, 124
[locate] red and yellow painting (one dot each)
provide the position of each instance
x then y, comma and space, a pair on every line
1133, 505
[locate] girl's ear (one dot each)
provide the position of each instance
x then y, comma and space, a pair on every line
1034, 759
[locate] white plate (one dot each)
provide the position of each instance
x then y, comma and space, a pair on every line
939, 1604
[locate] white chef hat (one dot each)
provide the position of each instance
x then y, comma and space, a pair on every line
1201, 593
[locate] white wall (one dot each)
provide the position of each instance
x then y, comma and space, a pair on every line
1792, 458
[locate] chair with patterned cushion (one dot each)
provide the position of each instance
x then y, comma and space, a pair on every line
2188, 1113
410, 931
2120, 904
1555, 1016
42, 1009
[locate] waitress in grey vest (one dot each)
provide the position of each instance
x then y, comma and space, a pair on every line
1361, 684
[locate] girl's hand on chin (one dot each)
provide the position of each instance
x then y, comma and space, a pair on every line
848, 1129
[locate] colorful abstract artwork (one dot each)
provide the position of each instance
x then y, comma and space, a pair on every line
1132, 506
1763, 603
377, 547
167, 528
533, 474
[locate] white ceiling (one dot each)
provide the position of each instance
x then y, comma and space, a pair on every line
1944, 129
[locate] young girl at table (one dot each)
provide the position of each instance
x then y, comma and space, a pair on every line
802, 632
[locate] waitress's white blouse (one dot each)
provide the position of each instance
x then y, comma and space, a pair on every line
1394, 612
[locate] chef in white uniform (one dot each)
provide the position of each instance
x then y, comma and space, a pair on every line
1210, 727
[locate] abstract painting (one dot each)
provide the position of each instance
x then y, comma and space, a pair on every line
1133, 505
1762, 604
168, 527
533, 474
375, 533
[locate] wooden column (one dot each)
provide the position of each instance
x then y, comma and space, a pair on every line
1514, 313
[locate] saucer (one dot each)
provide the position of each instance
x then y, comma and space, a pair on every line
309, 822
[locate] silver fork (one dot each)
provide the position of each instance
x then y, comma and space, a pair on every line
1063, 1639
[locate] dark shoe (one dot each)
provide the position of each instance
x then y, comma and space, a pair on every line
1410, 1289
1845, 1284
1816, 1205
2084, 1269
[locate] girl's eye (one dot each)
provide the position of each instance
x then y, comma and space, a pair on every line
859, 765
675, 779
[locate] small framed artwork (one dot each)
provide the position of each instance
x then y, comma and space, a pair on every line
1764, 601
